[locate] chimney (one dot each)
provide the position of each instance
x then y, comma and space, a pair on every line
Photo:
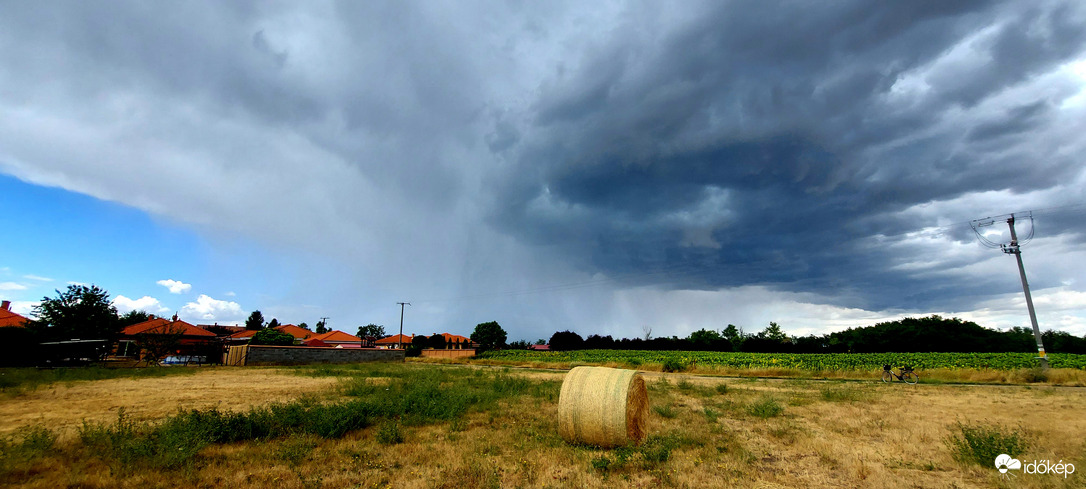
6, 305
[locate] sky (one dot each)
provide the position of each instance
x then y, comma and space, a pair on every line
622, 168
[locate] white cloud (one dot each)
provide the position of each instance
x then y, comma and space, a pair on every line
38, 278
231, 294
175, 286
11, 286
146, 303
207, 309
24, 308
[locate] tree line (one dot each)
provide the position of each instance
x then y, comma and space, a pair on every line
926, 334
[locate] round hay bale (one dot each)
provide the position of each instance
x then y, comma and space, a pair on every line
606, 407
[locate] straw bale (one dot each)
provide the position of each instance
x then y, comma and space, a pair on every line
606, 407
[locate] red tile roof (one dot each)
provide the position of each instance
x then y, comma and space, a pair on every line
295, 331
242, 334
8, 318
161, 325
394, 339
336, 336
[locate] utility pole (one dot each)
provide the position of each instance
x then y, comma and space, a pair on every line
402, 304
1014, 248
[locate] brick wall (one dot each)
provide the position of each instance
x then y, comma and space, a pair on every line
448, 353
301, 355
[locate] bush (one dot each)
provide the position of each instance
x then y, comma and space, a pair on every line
674, 365
272, 337
390, 433
766, 407
982, 444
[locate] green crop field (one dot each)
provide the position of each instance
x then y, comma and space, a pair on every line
800, 361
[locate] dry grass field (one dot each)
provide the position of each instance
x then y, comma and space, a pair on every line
501, 432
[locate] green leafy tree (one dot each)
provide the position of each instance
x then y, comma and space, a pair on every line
303, 326
437, 342
489, 335
274, 323
271, 336
734, 335
704, 337
81, 312
419, 341
374, 330
321, 328
773, 332
134, 317
255, 321
541, 341
519, 345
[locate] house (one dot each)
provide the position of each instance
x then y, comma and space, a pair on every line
540, 347
299, 334
452, 341
337, 338
220, 330
9, 318
394, 341
180, 337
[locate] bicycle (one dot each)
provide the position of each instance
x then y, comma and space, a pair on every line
907, 375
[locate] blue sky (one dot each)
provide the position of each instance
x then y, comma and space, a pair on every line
611, 169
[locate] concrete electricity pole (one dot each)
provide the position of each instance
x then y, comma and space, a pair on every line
1014, 248
402, 304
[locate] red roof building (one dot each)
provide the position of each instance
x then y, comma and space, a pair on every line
394, 341
9, 318
192, 339
337, 337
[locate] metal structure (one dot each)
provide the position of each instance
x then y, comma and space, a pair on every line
1014, 248
402, 304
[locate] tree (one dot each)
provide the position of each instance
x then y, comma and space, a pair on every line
371, 330
704, 337
81, 312
566, 340
274, 323
321, 329
734, 336
489, 335
773, 332
519, 345
255, 321
134, 317
419, 341
437, 342
541, 341
303, 326
271, 336
159, 343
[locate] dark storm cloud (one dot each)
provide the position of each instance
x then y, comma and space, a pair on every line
766, 143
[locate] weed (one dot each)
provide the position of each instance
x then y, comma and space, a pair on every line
722, 389
981, 444
296, 449
766, 407
711, 415
390, 433
666, 411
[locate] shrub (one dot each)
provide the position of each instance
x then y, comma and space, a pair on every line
271, 337
390, 433
982, 444
674, 365
766, 407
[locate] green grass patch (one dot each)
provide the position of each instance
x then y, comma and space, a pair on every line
765, 407
981, 444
